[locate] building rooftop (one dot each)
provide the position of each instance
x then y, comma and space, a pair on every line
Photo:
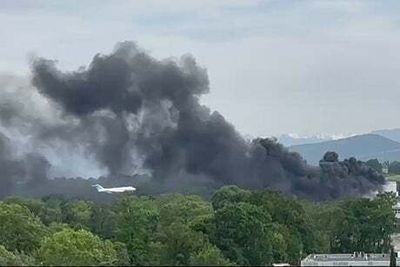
357, 256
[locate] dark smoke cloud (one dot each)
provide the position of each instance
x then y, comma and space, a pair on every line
134, 113
8, 168
31, 168
36, 168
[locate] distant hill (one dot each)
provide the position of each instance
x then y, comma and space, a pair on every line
288, 140
362, 147
393, 134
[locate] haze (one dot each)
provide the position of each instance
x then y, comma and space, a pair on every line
304, 67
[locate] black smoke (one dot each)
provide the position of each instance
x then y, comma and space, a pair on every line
352, 174
8, 168
31, 168
132, 113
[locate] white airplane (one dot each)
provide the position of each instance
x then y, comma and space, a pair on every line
114, 189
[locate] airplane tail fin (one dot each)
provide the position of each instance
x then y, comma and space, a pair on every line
98, 187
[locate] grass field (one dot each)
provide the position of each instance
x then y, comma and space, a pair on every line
395, 178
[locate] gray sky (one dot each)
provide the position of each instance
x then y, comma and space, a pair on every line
304, 67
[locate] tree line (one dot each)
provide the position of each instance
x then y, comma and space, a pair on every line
234, 227
392, 167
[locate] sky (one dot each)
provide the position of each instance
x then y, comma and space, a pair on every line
275, 67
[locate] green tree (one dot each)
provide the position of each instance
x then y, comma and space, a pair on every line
78, 214
19, 228
291, 222
122, 254
136, 224
48, 212
362, 225
394, 167
15, 259
209, 256
55, 227
188, 209
102, 221
322, 218
243, 233
179, 232
7, 258
279, 247
76, 248
178, 242
53, 211
228, 195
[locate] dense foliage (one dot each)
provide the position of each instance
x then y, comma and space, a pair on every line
237, 227
394, 167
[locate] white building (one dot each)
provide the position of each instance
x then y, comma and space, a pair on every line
355, 259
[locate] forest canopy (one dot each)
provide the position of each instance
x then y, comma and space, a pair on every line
236, 227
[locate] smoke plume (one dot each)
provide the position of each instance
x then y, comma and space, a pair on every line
132, 113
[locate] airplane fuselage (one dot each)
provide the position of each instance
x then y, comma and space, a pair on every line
117, 189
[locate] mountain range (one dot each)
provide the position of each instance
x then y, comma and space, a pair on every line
382, 144
393, 134
290, 140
